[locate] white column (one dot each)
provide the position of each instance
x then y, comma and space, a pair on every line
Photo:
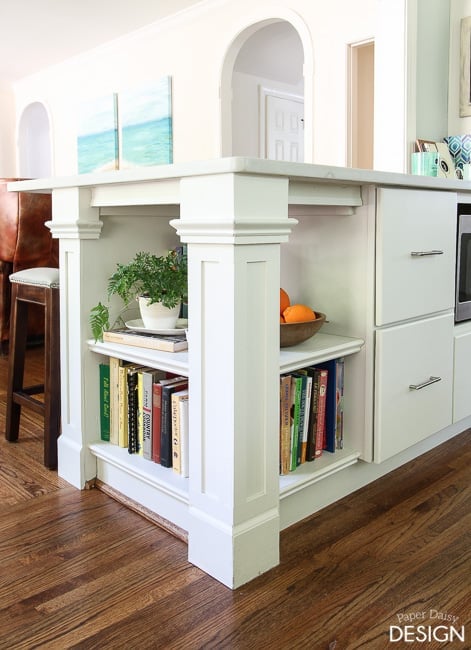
77, 225
233, 225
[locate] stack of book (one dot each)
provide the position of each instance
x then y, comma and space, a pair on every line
142, 339
311, 413
147, 412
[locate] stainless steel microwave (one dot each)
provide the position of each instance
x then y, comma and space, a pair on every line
463, 264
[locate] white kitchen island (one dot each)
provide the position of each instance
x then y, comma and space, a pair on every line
337, 239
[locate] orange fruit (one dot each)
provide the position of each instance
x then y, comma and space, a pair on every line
282, 319
284, 300
298, 314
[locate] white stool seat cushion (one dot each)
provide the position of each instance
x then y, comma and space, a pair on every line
42, 276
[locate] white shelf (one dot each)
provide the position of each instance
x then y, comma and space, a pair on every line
309, 473
166, 493
158, 489
176, 362
161, 478
167, 481
317, 349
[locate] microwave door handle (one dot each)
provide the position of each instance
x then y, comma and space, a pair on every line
425, 253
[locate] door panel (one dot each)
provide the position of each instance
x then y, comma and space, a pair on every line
284, 129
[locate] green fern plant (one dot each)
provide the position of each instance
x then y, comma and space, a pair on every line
160, 278
99, 320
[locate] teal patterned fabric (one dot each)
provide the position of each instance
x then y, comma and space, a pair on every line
460, 148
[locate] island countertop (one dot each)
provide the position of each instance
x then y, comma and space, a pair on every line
296, 172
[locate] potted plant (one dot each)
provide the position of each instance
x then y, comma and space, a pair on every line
159, 283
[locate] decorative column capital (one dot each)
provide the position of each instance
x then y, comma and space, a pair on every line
253, 232
73, 217
234, 208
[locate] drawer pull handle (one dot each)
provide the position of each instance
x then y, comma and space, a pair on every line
430, 381
425, 253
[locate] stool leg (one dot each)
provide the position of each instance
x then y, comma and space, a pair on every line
16, 363
51, 378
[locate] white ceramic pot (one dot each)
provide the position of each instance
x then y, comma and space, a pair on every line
157, 317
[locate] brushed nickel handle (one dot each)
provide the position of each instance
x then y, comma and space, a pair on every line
428, 382
425, 253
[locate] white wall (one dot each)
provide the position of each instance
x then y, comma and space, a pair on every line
7, 133
456, 125
341, 23
391, 78
433, 44
192, 46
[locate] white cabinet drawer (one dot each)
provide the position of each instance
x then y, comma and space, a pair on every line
411, 355
415, 253
462, 373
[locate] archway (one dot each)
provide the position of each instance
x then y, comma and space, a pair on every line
34, 142
267, 81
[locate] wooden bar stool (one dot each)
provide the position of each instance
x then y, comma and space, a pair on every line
38, 286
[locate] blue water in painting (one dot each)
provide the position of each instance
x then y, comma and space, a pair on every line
149, 143
97, 150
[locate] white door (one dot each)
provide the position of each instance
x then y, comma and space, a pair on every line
284, 124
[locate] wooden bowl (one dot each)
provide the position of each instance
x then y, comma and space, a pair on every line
294, 333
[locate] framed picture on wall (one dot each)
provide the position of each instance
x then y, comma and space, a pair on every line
97, 137
465, 63
145, 124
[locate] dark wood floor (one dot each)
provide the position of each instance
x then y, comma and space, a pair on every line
78, 570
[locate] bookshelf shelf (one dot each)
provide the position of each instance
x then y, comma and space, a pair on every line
163, 478
317, 349
159, 489
309, 473
160, 485
171, 483
321, 347
175, 362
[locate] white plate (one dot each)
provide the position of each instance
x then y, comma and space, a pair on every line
138, 326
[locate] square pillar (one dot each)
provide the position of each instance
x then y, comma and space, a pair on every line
233, 225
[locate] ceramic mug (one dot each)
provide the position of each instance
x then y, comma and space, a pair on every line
425, 163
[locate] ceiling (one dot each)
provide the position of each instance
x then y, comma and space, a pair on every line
35, 34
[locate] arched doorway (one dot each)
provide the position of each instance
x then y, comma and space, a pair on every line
34, 142
265, 93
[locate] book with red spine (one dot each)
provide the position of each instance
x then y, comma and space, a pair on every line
157, 415
285, 441
321, 412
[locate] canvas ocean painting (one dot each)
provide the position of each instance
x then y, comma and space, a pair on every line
97, 139
145, 124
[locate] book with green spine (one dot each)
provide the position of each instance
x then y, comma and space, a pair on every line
104, 371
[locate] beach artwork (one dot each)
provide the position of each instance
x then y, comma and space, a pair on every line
145, 124
97, 139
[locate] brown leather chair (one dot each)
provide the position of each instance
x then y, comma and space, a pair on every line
25, 242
